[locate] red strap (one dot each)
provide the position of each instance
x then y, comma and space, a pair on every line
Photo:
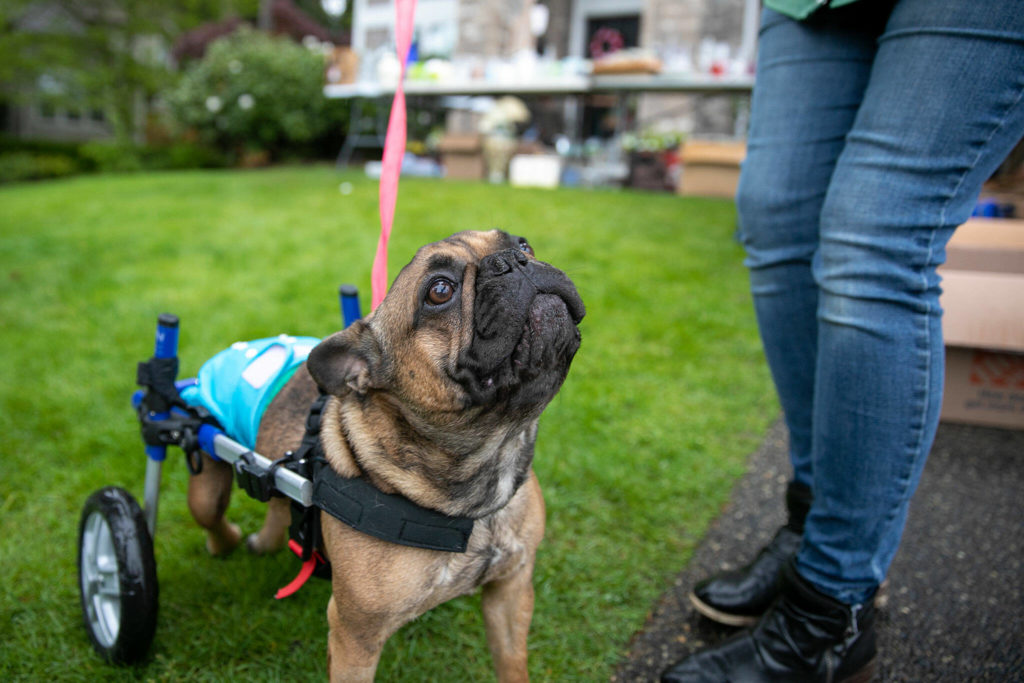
307, 571
394, 150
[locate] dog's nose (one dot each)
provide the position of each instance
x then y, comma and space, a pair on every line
503, 262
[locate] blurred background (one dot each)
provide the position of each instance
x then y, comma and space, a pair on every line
130, 101
593, 92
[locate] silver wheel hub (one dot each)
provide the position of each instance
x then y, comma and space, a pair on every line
100, 583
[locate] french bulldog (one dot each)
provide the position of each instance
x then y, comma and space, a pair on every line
435, 396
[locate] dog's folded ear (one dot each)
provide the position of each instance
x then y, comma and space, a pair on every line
346, 361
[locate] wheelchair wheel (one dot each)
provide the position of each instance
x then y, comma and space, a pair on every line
117, 576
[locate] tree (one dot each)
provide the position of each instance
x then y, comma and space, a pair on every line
107, 55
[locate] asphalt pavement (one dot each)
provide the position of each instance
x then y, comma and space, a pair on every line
956, 599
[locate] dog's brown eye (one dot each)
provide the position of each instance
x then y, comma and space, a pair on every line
441, 291
525, 246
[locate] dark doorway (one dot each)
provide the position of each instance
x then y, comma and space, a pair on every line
604, 36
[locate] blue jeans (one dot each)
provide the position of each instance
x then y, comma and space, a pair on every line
873, 128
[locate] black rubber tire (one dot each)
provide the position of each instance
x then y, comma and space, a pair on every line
119, 603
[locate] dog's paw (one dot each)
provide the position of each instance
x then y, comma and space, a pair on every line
221, 544
256, 545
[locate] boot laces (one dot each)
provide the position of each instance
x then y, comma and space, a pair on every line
852, 629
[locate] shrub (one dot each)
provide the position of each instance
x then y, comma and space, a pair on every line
120, 157
9, 143
186, 155
22, 159
253, 92
111, 156
15, 166
41, 159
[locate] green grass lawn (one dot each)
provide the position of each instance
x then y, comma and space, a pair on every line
667, 397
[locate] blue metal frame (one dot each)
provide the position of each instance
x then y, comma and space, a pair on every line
166, 346
212, 440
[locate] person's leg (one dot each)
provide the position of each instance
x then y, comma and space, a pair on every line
810, 80
944, 106
811, 77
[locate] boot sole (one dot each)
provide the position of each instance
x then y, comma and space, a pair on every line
719, 616
865, 674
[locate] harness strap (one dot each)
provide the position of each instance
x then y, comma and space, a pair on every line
308, 567
359, 504
157, 376
387, 516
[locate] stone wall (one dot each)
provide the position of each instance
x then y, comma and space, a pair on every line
493, 28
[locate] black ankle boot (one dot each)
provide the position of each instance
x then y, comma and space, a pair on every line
739, 597
806, 636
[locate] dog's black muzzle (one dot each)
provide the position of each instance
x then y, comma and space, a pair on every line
524, 330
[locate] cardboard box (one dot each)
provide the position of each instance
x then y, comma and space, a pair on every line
462, 156
987, 244
983, 310
711, 168
983, 324
984, 388
342, 66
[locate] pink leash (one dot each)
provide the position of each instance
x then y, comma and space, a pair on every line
394, 150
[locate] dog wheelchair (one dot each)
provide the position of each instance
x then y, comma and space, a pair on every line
116, 563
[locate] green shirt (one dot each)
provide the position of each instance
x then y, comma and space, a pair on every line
801, 9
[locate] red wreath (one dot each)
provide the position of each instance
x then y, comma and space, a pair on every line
605, 41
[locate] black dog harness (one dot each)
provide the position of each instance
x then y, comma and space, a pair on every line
355, 501
388, 516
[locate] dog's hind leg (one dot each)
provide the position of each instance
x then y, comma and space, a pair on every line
281, 430
508, 608
209, 493
274, 534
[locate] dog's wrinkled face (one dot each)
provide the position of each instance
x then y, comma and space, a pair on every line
475, 321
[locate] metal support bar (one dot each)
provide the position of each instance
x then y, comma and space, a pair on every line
154, 470
293, 485
166, 346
